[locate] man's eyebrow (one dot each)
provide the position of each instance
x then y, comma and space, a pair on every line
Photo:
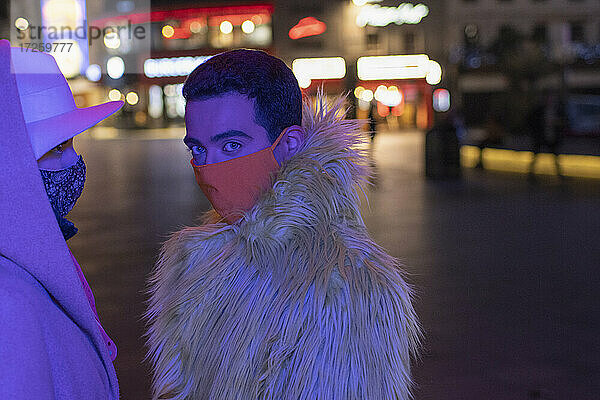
228, 134
191, 141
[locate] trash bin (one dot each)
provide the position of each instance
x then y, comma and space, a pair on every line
442, 152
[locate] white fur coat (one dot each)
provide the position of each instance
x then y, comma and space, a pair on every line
293, 302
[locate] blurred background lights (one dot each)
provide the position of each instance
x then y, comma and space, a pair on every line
376, 15
388, 96
70, 61
174, 101
93, 72
303, 81
172, 66
195, 27
115, 67
155, 101
61, 13
112, 41
168, 31
307, 69
226, 27
366, 95
114, 95
170, 91
132, 98
379, 92
308, 26
414, 66
21, 23
247, 26
441, 100
434, 75
358, 91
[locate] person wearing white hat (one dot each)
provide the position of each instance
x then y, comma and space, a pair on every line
52, 345
52, 120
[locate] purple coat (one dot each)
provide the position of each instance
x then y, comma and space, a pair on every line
50, 343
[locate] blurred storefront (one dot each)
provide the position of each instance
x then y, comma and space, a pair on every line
398, 86
324, 42
508, 58
181, 39
384, 49
400, 104
378, 52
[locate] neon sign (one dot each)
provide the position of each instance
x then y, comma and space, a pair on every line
308, 26
175, 66
405, 13
307, 69
415, 66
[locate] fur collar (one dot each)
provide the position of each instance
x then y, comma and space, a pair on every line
294, 301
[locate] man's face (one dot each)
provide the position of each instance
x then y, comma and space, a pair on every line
222, 128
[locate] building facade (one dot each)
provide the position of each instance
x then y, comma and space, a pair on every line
178, 38
505, 56
355, 31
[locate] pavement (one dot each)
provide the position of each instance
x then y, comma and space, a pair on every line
505, 267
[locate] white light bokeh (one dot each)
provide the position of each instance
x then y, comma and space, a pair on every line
132, 98
115, 67
247, 26
114, 95
93, 72
226, 27
21, 24
112, 40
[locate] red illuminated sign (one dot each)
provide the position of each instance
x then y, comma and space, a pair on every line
187, 13
308, 26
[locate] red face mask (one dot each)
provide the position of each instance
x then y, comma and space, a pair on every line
233, 186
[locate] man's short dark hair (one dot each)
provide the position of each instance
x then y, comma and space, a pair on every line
256, 74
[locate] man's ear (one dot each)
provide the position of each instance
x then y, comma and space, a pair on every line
289, 144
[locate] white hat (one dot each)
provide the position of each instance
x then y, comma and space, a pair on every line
51, 116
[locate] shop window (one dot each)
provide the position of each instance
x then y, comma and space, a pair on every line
240, 31
577, 32
539, 33
219, 31
372, 41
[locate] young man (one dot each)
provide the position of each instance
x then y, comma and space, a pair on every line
281, 294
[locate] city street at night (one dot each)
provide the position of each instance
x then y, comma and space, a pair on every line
481, 122
505, 268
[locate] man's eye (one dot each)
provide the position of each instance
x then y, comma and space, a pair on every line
231, 146
197, 149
